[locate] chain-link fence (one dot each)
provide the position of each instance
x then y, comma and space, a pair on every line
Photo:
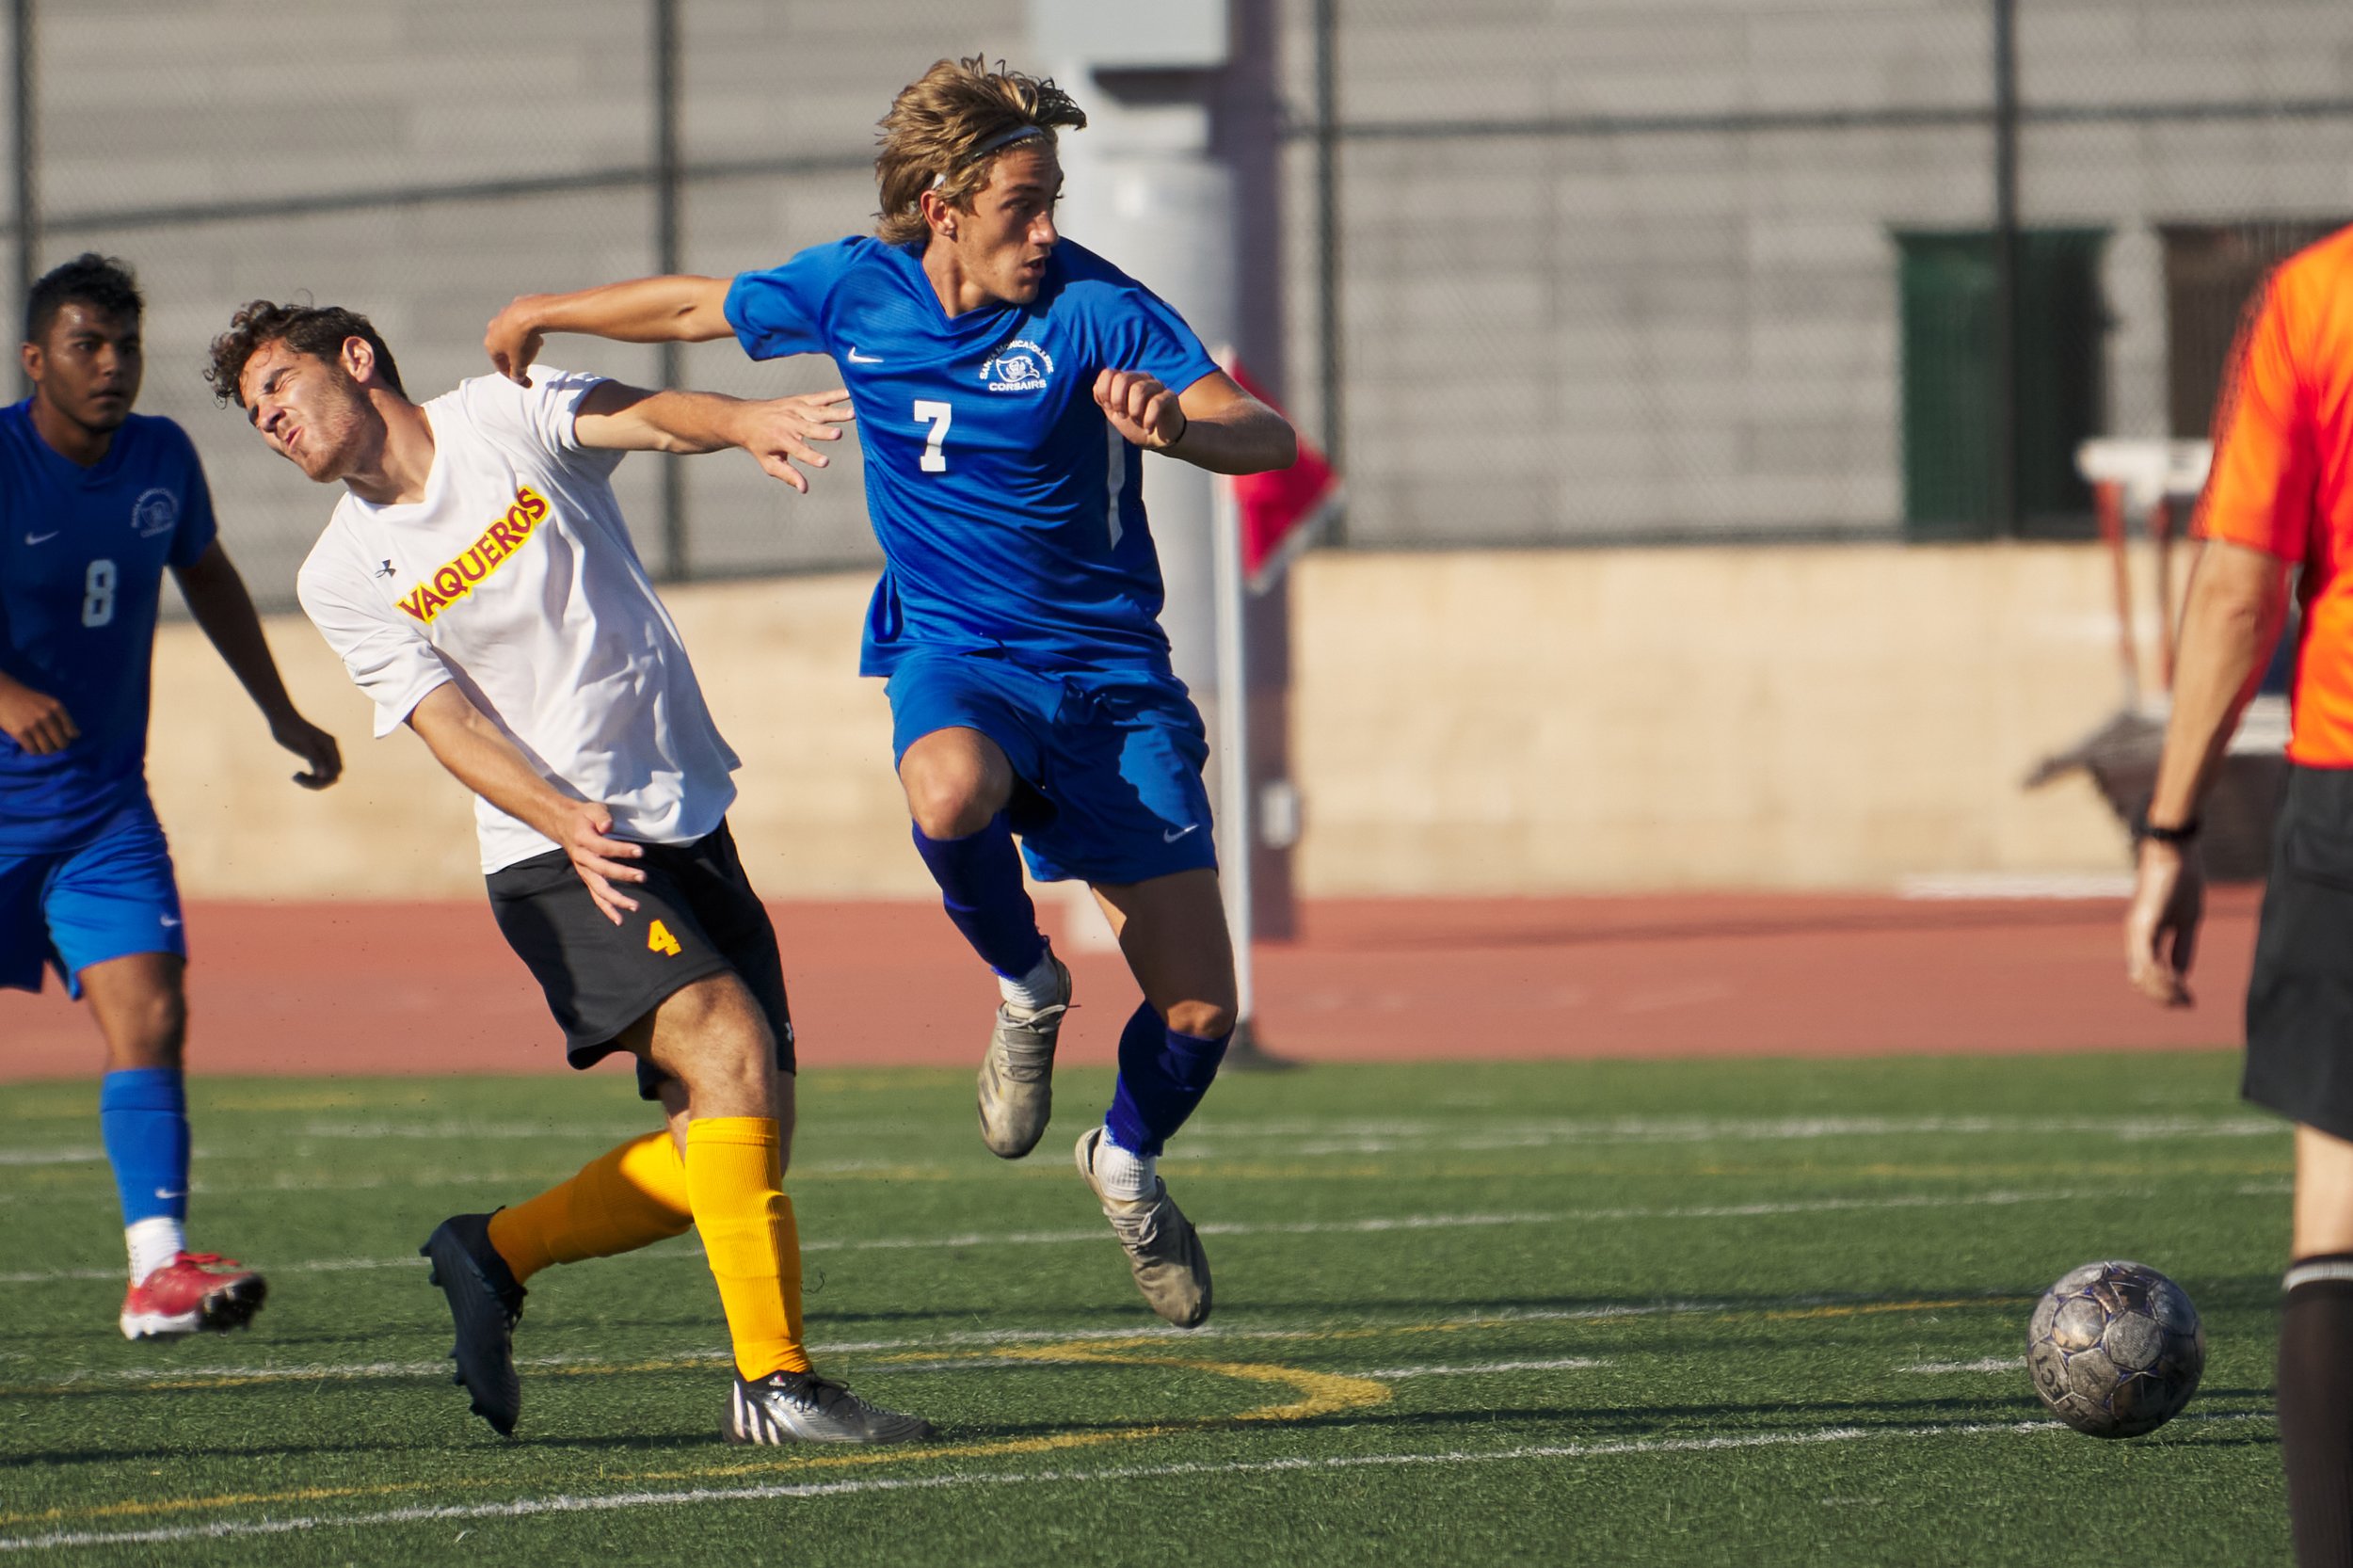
1770, 268
1554, 274
425, 160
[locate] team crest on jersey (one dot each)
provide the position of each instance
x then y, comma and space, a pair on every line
154, 512
1018, 365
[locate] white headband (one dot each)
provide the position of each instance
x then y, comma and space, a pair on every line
1001, 139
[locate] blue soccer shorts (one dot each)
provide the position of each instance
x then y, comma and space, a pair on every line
108, 898
1108, 762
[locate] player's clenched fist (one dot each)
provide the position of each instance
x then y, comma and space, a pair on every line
35, 720
512, 341
778, 432
314, 745
1140, 408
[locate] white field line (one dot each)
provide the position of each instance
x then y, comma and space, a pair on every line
1007, 1362
1308, 1139
1479, 1368
1344, 1136
982, 1338
1983, 1364
521, 1508
1311, 1227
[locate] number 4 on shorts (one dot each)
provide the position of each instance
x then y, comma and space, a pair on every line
660, 940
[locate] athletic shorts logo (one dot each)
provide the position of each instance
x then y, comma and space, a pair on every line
1169, 836
1017, 366
154, 512
457, 578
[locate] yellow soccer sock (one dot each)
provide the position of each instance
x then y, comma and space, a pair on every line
625, 1198
735, 1172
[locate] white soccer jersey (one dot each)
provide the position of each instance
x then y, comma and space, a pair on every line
515, 577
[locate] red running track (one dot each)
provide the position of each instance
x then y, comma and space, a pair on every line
314, 988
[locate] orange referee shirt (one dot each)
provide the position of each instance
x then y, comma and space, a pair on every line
2282, 479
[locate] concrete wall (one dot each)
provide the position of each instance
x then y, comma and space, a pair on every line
1603, 335
1516, 723
1546, 337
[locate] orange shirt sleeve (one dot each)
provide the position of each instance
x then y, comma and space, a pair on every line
2262, 490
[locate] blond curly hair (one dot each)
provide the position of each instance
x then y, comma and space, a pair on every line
945, 131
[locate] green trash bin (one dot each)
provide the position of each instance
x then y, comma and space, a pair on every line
1946, 286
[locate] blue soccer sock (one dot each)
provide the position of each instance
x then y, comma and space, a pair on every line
1162, 1075
143, 1118
980, 885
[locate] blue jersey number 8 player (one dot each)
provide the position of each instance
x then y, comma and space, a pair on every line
99, 502
1006, 383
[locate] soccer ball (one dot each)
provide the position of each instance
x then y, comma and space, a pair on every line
2116, 1348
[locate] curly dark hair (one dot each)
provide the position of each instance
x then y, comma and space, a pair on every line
315, 329
104, 283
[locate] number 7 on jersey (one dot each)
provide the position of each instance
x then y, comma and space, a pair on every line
938, 416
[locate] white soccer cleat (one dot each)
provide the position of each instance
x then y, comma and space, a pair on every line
802, 1407
1163, 1249
1017, 1084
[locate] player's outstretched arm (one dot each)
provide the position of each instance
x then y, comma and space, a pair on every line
34, 719
777, 431
217, 596
481, 758
1213, 423
644, 310
2236, 605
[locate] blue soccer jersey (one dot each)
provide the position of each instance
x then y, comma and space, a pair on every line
1009, 510
82, 563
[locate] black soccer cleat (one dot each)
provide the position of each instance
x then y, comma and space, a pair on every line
484, 1302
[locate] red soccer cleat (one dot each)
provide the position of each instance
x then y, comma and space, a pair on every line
195, 1291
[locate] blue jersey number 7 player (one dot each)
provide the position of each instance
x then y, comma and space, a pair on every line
99, 502
1007, 383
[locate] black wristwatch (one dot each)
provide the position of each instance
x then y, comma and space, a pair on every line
2177, 837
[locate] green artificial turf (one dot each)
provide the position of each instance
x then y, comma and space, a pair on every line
1565, 1313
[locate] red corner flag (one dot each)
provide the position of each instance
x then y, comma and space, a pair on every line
1281, 511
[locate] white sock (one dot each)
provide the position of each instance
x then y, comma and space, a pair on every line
1131, 1176
153, 1244
1040, 987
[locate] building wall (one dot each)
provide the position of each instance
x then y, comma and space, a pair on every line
1499, 723
1563, 337
1545, 337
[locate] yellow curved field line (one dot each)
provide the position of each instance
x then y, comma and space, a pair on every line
1319, 1394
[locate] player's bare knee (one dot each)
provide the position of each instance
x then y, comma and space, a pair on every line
723, 1078
711, 1037
154, 1033
948, 803
1203, 1020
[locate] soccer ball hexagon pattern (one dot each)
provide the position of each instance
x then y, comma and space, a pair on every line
2115, 1349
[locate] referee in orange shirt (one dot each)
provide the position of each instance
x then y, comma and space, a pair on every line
2279, 498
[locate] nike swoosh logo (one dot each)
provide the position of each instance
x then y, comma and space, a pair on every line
168, 919
42, 538
858, 359
1168, 837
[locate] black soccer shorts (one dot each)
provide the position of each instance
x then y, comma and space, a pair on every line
697, 915
2300, 1000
